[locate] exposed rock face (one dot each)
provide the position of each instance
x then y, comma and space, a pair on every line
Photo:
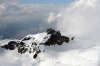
10, 45
33, 43
55, 38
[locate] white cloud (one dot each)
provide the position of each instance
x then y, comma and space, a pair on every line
81, 19
29, 18
86, 3
10, 1
52, 17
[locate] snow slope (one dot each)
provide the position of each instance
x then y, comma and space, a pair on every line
75, 53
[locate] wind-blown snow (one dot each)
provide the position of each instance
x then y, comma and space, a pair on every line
82, 20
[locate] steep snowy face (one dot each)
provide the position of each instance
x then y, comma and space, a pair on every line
33, 43
37, 38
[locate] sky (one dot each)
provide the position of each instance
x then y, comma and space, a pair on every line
56, 2
14, 13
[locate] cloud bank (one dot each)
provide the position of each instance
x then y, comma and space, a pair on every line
81, 19
18, 20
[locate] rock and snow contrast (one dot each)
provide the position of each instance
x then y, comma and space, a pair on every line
73, 53
79, 19
34, 43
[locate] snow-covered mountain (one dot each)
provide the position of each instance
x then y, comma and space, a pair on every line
34, 43
66, 55
74, 53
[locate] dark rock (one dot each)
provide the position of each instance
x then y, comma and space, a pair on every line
35, 56
11, 45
